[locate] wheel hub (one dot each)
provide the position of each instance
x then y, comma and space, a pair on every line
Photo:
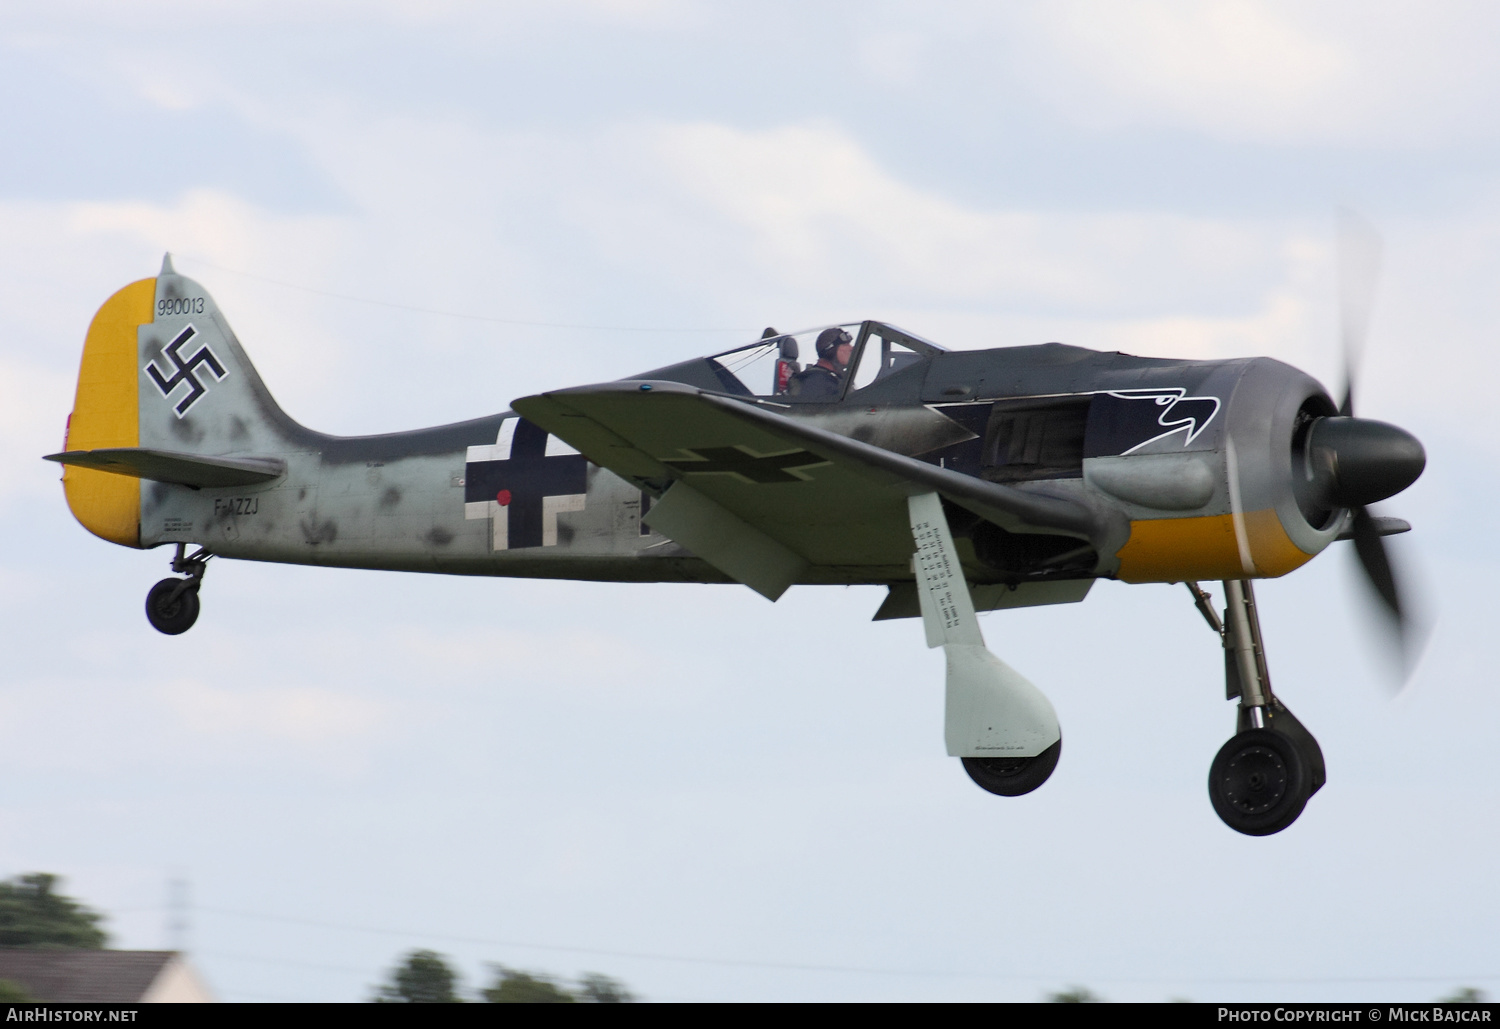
1255, 780
1005, 766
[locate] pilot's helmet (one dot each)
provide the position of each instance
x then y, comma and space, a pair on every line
829, 341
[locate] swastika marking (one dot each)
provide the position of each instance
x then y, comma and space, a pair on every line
185, 371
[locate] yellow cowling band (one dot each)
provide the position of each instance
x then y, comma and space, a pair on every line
1209, 547
106, 413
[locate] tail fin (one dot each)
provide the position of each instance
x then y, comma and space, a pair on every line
165, 392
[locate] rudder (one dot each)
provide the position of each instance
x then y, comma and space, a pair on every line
106, 414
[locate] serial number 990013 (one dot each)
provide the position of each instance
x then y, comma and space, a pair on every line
184, 305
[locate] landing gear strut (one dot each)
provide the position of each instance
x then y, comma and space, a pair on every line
1262, 778
172, 604
1001, 726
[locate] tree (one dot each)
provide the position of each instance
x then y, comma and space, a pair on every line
512, 986
423, 978
31, 915
601, 989
1074, 995
1464, 995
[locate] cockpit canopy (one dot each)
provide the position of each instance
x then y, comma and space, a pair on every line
777, 364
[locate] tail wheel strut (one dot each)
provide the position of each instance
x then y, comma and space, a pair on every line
172, 604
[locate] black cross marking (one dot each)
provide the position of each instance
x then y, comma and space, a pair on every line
528, 476
754, 468
184, 371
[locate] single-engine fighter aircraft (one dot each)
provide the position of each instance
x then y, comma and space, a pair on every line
961, 481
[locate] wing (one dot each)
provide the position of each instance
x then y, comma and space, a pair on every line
765, 496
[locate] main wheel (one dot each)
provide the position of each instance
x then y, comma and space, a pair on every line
168, 614
1013, 776
1259, 782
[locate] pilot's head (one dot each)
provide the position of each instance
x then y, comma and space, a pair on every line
835, 346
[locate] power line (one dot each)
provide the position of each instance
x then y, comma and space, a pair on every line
596, 951
367, 972
854, 969
457, 314
285, 962
265, 997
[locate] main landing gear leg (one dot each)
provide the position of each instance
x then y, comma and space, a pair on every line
1263, 777
172, 604
997, 722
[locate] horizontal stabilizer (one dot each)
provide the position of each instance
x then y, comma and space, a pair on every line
195, 470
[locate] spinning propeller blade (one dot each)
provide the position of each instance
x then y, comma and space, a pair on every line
1367, 460
1359, 272
1376, 563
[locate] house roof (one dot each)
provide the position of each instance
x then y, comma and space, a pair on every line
84, 976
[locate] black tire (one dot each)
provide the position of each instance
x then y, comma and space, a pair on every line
1013, 776
172, 616
1259, 782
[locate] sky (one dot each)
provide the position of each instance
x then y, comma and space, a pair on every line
412, 213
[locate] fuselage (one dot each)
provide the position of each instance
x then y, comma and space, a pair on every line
1191, 460
1188, 468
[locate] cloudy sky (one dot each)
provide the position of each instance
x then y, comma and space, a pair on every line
414, 212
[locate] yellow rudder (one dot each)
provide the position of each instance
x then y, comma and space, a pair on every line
106, 413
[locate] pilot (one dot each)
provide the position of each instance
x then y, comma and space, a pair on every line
823, 380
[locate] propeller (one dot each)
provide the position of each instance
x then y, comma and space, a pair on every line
1359, 254
1353, 462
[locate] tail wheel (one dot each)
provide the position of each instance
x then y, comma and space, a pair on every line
172, 606
1013, 776
1259, 782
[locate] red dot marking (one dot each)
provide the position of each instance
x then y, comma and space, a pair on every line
503, 497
